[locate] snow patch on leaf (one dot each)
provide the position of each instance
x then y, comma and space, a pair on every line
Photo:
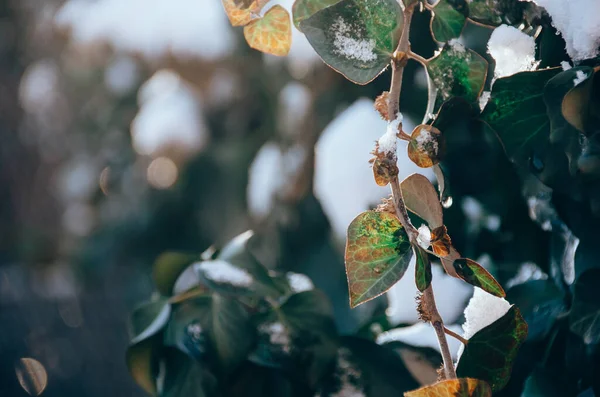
580, 77
513, 51
299, 282
483, 309
349, 42
224, 272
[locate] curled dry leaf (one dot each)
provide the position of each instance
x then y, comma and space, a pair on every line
381, 105
272, 33
426, 146
463, 387
440, 241
241, 12
421, 198
384, 168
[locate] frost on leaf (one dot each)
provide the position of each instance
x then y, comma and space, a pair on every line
351, 43
513, 51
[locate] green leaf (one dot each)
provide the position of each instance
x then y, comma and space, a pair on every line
142, 362
149, 319
474, 274
356, 37
458, 72
422, 269
304, 9
421, 198
232, 332
183, 376
168, 267
377, 255
584, 319
485, 12
188, 328
463, 387
449, 17
491, 352
147, 323
299, 337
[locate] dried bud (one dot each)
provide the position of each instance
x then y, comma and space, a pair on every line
381, 105
387, 205
427, 146
422, 310
440, 241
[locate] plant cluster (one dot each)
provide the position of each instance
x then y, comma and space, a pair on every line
546, 121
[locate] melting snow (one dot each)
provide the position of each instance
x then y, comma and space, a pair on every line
579, 77
388, 142
513, 51
354, 47
299, 282
578, 21
224, 272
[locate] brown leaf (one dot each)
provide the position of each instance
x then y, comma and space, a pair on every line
464, 387
440, 241
426, 146
421, 198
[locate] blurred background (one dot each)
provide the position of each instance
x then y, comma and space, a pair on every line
133, 127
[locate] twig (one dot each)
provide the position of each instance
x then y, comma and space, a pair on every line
456, 336
418, 58
438, 326
399, 60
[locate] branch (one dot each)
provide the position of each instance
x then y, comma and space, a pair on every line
399, 60
438, 325
455, 336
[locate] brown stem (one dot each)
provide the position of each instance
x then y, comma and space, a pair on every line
398, 62
418, 58
455, 336
438, 326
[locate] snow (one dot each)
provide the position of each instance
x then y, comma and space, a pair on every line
348, 375
299, 282
388, 143
457, 45
483, 309
268, 173
344, 182
565, 65
224, 272
278, 335
451, 295
580, 77
424, 237
121, 75
424, 138
294, 105
513, 51
484, 98
421, 335
349, 43
578, 21
169, 117
188, 29
527, 272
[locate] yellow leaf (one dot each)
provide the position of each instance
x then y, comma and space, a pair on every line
464, 387
272, 33
241, 12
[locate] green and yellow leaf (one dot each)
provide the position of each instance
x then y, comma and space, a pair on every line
241, 12
463, 387
474, 274
271, 34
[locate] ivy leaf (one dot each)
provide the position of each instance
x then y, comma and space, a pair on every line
299, 337
584, 319
241, 12
377, 255
147, 323
485, 12
422, 269
183, 376
427, 146
356, 37
304, 9
167, 269
272, 33
449, 17
580, 106
188, 327
491, 352
421, 198
458, 72
463, 387
474, 274
232, 333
